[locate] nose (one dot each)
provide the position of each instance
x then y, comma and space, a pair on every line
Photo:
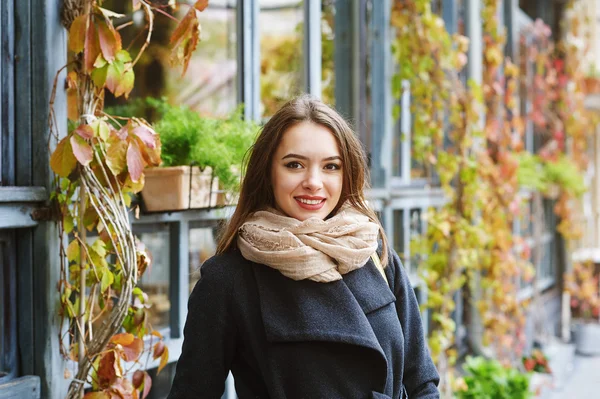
313, 180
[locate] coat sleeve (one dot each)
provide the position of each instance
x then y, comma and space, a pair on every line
209, 336
420, 375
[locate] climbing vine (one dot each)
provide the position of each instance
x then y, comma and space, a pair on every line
98, 169
429, 60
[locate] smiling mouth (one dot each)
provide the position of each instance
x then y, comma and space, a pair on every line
310, 202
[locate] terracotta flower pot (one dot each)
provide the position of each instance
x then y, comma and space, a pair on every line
168, 189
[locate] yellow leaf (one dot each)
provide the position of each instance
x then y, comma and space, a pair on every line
164, 359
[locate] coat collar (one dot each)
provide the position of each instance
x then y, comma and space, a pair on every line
309, 311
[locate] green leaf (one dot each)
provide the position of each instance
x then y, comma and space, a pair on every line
68, 223
62, 160
99, 247
123, 56
99, 76
107, 279
114, 75
125, 84
73, 251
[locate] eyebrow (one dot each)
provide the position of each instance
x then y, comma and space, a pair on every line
333, 158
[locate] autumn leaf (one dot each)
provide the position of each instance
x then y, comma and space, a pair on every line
164, 359
135, 163
186, 35
85, 131
136, 5
142, 378
62, 160
73, 251
96, 395
113, 75
72, 104
109, 369
82, 150
132, 351
122, 339
159, 348
91, 48
201, 5
125, 84
77, 34
109, 39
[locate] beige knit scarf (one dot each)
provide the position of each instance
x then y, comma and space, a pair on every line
314, 249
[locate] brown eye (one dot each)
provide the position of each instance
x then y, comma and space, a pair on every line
333, 166
293, 165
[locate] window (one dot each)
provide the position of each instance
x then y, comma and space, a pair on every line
8, 308
210, 84
202, 246
155, 282
281, 52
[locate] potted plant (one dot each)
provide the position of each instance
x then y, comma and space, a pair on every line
201, 157
582, 284
488, 379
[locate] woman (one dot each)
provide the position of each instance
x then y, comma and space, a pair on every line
296, 303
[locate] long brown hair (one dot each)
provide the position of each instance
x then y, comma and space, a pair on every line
256, 192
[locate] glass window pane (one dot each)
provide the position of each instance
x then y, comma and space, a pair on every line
155, 282
210, 84
281, 47
399, 232
327, 52
202, 246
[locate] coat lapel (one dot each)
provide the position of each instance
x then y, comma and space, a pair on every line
309, 311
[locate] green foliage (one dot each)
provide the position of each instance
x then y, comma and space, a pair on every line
187, 138
539, 174
488, 379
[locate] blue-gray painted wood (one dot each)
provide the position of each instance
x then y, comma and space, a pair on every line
23, 111
7, 132
248, 58
344, 53
21, 388
23, 194
312, 47
48, 55
381, 75
9, 362
14, 216
512, 33
178, 289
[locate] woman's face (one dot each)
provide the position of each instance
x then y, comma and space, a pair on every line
306, 172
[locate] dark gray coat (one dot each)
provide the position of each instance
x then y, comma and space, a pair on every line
353, 338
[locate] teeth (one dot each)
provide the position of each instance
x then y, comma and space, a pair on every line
309, 202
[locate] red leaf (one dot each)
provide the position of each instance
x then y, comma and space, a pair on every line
133, 351
110, 40
82, 150
159, 348
122, 339
141, 377
85, 131
148, 136
77, 33
135, 163
91, 49
147, 385
109, 369
201, 5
